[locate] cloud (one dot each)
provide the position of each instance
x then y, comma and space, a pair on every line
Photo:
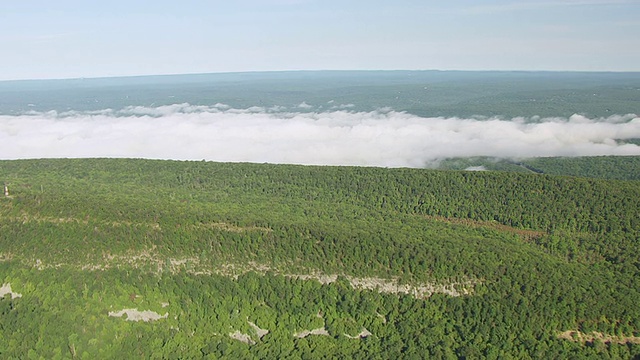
380, 138
343, 106
476, 168
513, 6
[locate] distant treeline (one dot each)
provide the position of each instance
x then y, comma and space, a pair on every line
602, 167
506, 94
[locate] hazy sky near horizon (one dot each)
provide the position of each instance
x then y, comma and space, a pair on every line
74, 38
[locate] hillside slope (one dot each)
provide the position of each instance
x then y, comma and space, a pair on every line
257, 260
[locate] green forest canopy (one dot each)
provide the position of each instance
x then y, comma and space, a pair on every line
507, 262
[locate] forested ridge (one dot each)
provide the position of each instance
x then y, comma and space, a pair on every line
506, 261
601, 167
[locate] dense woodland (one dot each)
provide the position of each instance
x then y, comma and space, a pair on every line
601, 167
219, 247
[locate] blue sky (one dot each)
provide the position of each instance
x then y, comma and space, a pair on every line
68, 39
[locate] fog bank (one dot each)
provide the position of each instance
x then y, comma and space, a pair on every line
381, 138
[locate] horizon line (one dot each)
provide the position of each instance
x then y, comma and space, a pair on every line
318, 71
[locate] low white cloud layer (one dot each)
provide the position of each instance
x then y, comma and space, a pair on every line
381, 138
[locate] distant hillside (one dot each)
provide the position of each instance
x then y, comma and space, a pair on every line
504, 94
603, 167
129, 258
